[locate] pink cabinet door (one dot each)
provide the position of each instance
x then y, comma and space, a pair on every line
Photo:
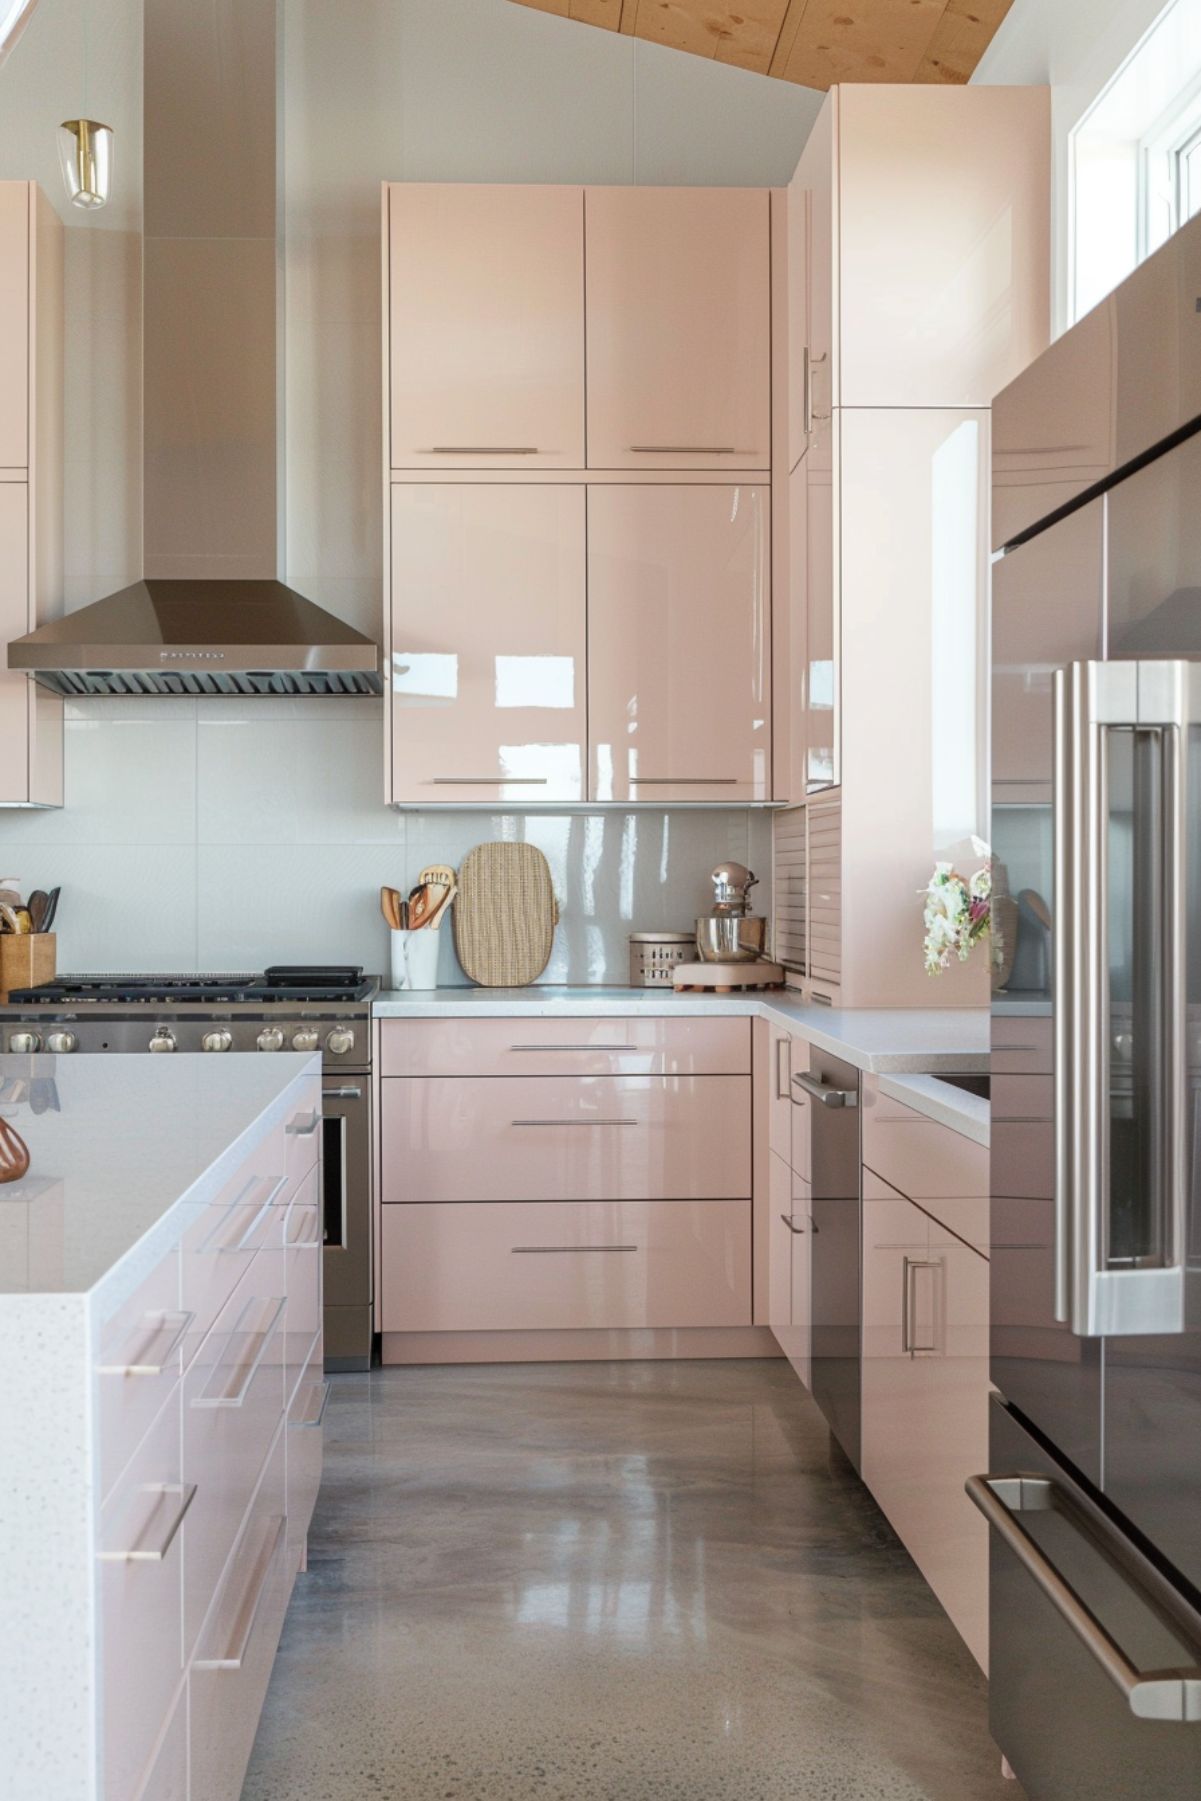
16, 691
779, 1255
799, 1348
679, 328
822, 700
545, 1138
813, 258
530, 1265
781, 1047
486, 326
679, 652
487, 643
14, 325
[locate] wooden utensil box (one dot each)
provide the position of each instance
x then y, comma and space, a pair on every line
26, 959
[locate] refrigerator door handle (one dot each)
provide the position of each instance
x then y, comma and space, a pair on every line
1150, 1694
1098, 1293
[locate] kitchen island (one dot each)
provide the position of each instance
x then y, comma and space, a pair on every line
160, 1326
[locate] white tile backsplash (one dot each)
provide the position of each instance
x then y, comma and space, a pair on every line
227, 834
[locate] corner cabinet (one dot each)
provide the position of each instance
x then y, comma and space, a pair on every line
578, 612
31, 466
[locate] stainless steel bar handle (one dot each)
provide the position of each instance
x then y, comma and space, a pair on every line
573, 1122
824, 1093
783, 1049
684, 450
546, 1250
1150, 1694
806, 392
909, 1269
488, 781
684, 781
573, 1047
248, 1612
154, 1350
141, 1552
797, 1231
342, 1094
483, 450
1061, 991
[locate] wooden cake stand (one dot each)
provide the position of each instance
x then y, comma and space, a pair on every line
726, 978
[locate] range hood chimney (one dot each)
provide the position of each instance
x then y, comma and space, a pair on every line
209, 615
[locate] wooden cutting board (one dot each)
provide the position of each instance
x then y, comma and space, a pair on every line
505, 915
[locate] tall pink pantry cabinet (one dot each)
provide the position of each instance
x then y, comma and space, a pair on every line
31, 472
918, 285
572, 612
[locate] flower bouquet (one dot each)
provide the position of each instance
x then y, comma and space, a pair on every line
958, 912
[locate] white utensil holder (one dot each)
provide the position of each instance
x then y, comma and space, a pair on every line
415, 959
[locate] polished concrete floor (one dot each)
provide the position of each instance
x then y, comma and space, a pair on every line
609, 1582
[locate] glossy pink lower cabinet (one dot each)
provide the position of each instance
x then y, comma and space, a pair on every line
679, 643
486, 325
542, 1138
789, 1265
925, 1397
565, 1047
487, 701
559, 1265
679, 328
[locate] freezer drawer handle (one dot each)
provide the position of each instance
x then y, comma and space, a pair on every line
1150, 1694
824, 1093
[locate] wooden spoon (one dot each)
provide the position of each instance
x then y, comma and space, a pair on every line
38, 905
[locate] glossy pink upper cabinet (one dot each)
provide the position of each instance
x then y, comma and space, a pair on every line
679, 652
486, 646
14, 324
943, 198
486, 326
812, 281
679, 328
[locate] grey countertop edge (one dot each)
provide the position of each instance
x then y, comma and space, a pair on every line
967, 1114
875, 1040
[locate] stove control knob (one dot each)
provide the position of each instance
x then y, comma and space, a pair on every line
61, 1043
270, 1039
23, 1043
163, 1040
340, 1040
307, 1039
217, 1041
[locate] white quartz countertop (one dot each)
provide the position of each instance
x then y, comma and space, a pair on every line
872, 1039
115, 1144
967, 1114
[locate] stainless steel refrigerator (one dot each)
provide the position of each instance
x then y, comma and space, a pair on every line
1094, 1487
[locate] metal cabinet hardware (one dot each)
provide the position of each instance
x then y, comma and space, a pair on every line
684, 781
545, 1250
243, 1628
488, 781
483, 450
827, 1095
316, 1399
1173, 1694
142, 1552
229, 1387
155, 1348
909, 1269
797, 1231
343, 1094
573, 1047
684, 450
783, 1092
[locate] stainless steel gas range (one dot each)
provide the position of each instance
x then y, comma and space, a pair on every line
286, 1008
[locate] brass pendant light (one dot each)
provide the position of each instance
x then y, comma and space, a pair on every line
85, 151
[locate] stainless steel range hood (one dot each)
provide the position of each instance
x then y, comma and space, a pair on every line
200, 637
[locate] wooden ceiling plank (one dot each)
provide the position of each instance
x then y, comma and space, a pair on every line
963, 35
755, 28
561, 7
787, 37
862, 40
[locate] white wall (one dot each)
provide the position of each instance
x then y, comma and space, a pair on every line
220, 834
1076, 46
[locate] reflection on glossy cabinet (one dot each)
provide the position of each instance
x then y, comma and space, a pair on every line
679, 321
31, 476
679, 652
821, 700
486, 325
487, 643
925, 1397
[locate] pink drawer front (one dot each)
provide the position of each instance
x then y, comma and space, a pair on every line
138, 1365
588, 1138
922, 1158
559, 1264
1023, 1046
229, 1678
141, 1551
565, 1047
233, 1404
221, 1245
304, 1449
168, 1778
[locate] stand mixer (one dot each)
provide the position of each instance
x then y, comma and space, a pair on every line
730, 940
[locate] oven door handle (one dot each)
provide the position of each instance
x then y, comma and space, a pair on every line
342, 1094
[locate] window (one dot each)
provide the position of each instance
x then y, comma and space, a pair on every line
1136, 157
